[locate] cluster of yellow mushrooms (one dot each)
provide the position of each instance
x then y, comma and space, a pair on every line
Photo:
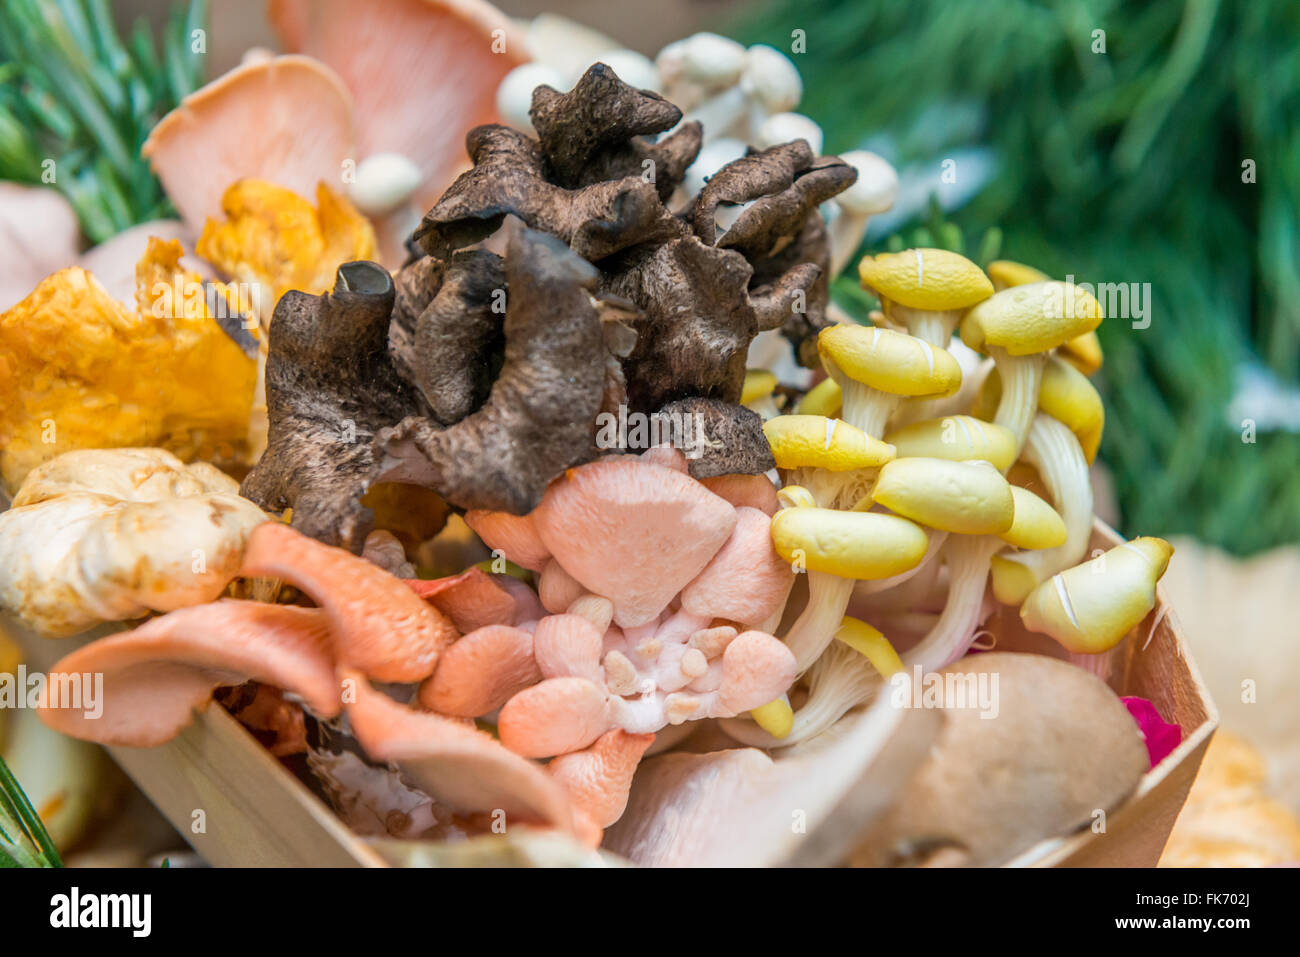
907, 485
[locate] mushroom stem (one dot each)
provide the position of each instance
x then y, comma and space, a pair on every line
1021, 378
840, 680
869, 409
1055, 452
932, 326
968, 569
846, 231
929, 564
834, 489
828, 598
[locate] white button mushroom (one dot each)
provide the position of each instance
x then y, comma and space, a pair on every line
786, 127
384, 182
712, 61
515, 93
712, 157
873, 193
634, 69
771, 82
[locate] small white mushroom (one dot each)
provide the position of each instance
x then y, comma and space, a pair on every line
712, 157
786, 127
710, 60
771, 83
384, 182
634, 69
874, 192
515, 94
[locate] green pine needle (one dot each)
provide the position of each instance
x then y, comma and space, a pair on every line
24, 842
73, 93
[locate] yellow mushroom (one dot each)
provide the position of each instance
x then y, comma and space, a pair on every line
757, 392
822, 399
876, 368
837, 548
1065, 394
925, 291
828, 457
1017, 328
981, 513
1083, 351
1088, 609
958, 438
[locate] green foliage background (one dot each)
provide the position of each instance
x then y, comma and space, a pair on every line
1117, 167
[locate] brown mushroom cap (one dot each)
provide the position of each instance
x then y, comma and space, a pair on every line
1061, 747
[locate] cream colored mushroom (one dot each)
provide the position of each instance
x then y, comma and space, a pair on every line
1091, 607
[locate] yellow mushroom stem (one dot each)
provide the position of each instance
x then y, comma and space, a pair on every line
1021, 376
841, 680
1055, 452
812, 631
967, 558
933, 326
867, 408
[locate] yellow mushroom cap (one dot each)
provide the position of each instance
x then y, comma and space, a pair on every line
822, 399
1006, 273
849, 544
1036, 524
776, 717
958, 438
814, 441
1083, 352
1089, 608
1067, 395
933, 279
1012, 580
1031, 318
871, 644
970, 498
890, 361
758, 383
795, 496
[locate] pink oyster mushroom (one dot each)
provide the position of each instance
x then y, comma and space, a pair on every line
661, 595
402, 81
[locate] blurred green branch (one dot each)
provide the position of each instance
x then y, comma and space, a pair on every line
76, 104
1126, 166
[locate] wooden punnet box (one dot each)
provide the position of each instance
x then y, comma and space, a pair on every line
258, 814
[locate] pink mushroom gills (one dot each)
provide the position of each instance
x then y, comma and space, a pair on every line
666, 589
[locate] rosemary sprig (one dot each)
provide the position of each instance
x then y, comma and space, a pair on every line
73, 93
24, 842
